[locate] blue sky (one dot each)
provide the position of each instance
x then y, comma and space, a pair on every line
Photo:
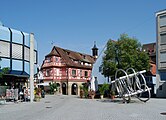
76, 24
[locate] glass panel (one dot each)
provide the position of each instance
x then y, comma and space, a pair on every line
162, 20
86, 73
163, 38
27, 53
17, 37
17, 65
4, 49
5, 63
27, 42
163, 76
163, 57
4, 33
73, 72
16, 51
27, 67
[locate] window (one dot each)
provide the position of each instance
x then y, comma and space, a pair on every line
163, 57
16, 51
48, 59
163, 38
81, 73
100, 69
27, 53
56, 59
48, 72
163, 21
4, 49
86, 73
73, 73
163, 76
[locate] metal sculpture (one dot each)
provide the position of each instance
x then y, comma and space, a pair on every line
133, 84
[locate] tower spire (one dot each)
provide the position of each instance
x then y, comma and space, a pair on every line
95, 50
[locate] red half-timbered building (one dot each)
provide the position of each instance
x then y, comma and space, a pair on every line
68, 69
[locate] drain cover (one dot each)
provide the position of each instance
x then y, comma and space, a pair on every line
163, 113
47, 102
48, 107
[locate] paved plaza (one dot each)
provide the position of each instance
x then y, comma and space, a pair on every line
72, 108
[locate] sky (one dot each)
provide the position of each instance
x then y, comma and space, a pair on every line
76, 24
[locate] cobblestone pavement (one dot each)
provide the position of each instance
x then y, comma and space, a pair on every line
72, 108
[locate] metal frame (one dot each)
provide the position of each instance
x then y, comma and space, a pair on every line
133, 84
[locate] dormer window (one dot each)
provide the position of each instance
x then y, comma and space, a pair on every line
48, 59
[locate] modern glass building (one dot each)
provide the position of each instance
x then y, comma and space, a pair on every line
161, 53
15, 54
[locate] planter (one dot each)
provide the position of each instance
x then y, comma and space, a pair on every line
101, 96
81, 93
37, 99
92, 96
112, 97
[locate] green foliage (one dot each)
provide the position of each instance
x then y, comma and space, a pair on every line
4, 71
103, 88
123, 54
53, 87
81, 87
112, 92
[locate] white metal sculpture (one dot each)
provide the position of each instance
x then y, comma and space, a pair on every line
133, 84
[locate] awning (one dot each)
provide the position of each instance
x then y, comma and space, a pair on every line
44, 84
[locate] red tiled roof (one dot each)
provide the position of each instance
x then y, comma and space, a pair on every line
69, 57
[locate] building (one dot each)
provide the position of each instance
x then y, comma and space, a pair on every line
17, 50
161, 53
69, 69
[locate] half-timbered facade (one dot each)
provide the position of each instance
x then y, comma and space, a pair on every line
68, 69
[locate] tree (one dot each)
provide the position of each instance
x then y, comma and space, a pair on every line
123, 54
3, 71
53, 87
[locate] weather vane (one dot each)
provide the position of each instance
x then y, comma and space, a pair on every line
52, 43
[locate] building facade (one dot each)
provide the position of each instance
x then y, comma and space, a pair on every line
161, 53
15, 54
68, 69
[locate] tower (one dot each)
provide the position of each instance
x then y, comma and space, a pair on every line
95, 50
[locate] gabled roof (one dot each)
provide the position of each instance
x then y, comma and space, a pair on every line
53, 52
72, 58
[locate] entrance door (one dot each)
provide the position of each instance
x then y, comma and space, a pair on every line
64, 89
74, 89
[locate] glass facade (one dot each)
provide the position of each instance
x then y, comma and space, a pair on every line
4, 33
17, 36
15, 50
5, 62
